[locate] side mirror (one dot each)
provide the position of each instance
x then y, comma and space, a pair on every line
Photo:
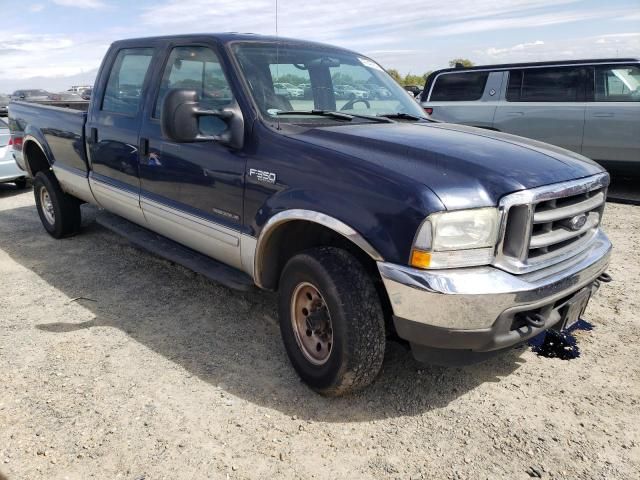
180, 120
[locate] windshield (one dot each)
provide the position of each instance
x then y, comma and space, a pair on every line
300, 78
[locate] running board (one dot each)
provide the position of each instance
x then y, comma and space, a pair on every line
176, 253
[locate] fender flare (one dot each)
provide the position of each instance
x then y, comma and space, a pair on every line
29, 138
313, 217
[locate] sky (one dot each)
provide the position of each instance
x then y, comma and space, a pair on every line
56, 43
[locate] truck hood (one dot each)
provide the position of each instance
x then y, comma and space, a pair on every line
464, 166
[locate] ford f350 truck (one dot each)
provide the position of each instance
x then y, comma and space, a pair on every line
368, 219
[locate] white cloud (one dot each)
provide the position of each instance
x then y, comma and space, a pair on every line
597, 46
494, 52
80, 3
37, 7
356, 23
29, 55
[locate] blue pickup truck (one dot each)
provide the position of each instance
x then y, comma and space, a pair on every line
367, 218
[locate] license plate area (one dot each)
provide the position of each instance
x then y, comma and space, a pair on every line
574, 308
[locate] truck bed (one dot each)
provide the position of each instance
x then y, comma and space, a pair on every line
59, 128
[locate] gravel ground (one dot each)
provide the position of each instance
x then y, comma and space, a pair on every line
117, 364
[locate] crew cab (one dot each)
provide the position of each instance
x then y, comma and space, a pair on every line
367, 218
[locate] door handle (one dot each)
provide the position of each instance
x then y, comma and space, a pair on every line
515, 114
144, 147
603, 115
93, 135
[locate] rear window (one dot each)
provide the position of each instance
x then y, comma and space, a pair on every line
126, 79
562, 84
459, 87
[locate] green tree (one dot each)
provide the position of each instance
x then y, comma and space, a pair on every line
292, 79
395, 74
410, 79
464, 61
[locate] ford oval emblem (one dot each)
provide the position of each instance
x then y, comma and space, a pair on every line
577, 222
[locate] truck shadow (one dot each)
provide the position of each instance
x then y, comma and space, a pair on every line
228, 339
8, 190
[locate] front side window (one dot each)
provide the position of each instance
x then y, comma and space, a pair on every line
126, 79
617, 83
300, 78
199, 69
460, 87
557, 84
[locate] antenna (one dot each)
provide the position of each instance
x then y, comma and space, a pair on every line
277, 55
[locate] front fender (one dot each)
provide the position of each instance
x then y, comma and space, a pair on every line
382, 227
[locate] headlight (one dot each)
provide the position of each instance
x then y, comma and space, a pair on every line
456, 239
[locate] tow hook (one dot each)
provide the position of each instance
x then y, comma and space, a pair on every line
605, 277
536, 320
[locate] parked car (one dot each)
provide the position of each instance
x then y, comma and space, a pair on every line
591, 107
348, 92
86, 93
376, 92
308, 93
79, 88
4, 105
368, 221
65, 96
415, 90
30, 95
9, 171
288, 90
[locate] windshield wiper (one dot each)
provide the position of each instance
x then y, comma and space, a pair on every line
402, 115
340, 115
321, 113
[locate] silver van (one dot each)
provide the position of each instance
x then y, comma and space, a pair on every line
589, 106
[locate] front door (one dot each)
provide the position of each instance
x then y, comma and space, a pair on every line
192, 192
112, 131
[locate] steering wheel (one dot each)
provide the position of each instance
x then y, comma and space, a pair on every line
353, 101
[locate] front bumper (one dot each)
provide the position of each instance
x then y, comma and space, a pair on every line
478, 308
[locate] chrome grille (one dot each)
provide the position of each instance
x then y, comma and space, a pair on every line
550, 224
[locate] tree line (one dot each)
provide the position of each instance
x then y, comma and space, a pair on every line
419, 80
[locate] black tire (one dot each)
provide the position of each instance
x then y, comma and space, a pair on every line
21, 183
65, 208
358, 330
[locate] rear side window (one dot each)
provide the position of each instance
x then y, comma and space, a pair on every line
459, 87
545, 85
126, 79
617, 83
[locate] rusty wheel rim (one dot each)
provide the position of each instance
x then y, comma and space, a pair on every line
311, 322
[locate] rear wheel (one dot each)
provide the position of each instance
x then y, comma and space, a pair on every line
331, 321
59, 212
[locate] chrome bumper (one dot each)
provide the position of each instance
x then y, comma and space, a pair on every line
477, 298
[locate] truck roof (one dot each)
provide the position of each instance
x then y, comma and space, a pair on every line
226, 37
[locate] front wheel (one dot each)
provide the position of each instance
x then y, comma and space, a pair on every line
331, 321
59, 212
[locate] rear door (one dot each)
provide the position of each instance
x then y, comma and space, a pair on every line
112, 131
545, 103
468, 98
612, 130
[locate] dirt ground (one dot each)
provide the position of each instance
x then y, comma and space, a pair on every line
115, 364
